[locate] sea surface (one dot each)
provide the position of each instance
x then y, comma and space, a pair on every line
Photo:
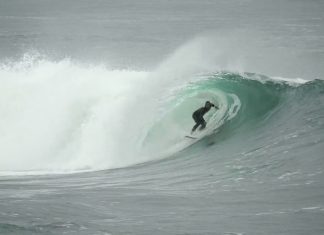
96, 98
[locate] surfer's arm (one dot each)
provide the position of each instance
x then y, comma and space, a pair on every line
216, 107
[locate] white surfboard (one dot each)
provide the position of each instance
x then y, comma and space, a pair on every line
201, 134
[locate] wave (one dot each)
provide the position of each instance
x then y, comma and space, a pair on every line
61, 117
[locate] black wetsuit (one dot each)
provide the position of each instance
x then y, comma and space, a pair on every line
198, 116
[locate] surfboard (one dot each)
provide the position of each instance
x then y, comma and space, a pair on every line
191, 137
202, 134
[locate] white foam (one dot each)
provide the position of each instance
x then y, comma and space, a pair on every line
61, 116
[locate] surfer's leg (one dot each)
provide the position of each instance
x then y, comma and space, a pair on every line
197, 120
203, 125
195, 127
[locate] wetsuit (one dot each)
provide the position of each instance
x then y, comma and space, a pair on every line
198, 116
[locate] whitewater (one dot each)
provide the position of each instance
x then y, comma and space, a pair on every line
95, 104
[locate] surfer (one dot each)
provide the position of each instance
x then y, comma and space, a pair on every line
198, 115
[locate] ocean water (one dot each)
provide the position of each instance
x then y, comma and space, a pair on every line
96, 99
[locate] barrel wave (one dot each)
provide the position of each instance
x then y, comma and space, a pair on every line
252, 107
60, 117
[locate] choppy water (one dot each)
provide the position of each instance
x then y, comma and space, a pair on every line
96, 98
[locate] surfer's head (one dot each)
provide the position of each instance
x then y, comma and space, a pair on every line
207, 104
